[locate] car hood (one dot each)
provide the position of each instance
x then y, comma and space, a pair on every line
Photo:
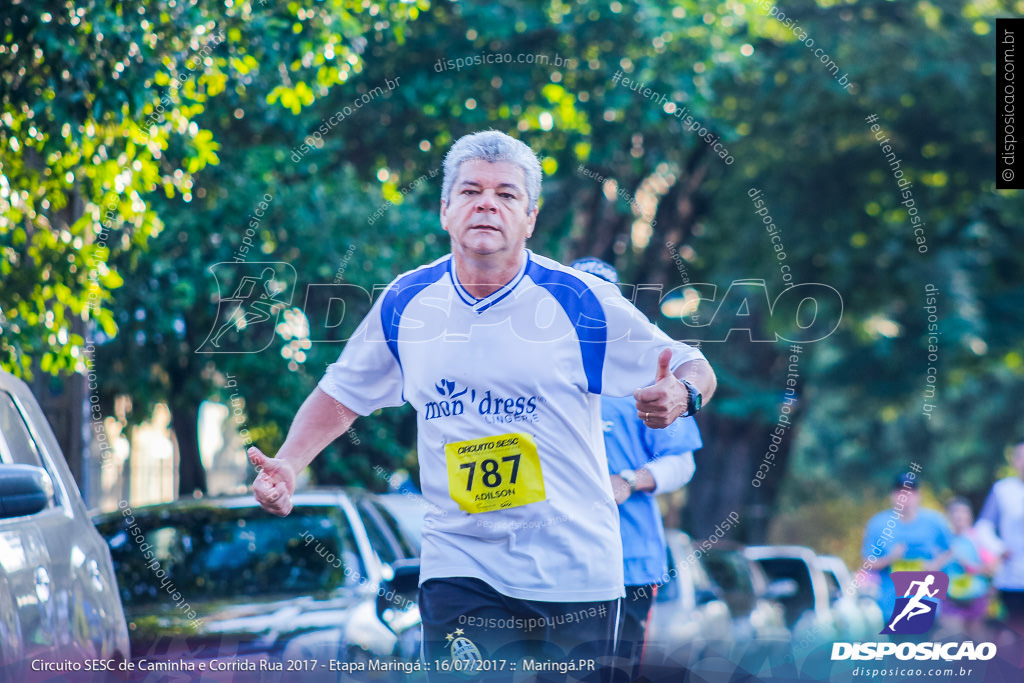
264, 624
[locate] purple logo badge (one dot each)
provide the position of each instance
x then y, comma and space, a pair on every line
921, 593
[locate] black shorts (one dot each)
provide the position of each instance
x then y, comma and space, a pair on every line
636, 610
1013, 602
470, 627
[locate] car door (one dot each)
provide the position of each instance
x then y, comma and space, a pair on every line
27, 572
65, 602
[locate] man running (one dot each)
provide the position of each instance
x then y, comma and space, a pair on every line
1001, 524
642, 462
905, 537
504, 354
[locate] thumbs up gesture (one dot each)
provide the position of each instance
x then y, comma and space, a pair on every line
659, 404
274, 484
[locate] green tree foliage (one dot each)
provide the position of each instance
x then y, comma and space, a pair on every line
352, 169
99, 106
925, 70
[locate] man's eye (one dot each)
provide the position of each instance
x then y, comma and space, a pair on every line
506, 195
469, 192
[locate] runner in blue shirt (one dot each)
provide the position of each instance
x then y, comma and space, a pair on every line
642, 462
905, 537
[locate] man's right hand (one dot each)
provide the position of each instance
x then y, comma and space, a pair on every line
274, 484
898, 552
620, 489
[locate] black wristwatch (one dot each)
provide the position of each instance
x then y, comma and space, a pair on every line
695, 402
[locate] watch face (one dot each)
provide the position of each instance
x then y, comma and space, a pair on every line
628, 476
696, 400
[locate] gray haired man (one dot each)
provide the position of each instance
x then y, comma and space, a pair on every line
504, 354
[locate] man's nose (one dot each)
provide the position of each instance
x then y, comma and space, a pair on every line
485, 202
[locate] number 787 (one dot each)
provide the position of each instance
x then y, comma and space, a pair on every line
490, 476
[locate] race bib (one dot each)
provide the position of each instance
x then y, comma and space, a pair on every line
967, 587
908, 566
959, 586
494, 473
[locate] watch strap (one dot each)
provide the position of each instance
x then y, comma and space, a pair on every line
695, 399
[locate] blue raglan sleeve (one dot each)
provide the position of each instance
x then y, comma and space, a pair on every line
367, 375
633, 345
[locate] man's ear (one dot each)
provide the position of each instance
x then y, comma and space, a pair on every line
444, 217
532, 216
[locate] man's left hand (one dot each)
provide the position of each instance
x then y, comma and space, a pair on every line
660, 404
620, 489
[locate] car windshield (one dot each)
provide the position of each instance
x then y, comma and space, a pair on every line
792, 568
728, 570
833, 584
216, 553
408, 510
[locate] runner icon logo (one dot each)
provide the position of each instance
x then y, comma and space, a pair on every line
915, 611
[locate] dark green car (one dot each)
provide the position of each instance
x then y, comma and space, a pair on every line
221, 579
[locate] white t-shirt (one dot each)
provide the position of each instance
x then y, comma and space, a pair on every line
1001, 522
532, 358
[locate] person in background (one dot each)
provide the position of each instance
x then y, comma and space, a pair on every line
1001, 523
905, 537
642, 462
970, 572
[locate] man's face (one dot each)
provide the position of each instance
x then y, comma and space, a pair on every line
488, 213
960, 517
909, 497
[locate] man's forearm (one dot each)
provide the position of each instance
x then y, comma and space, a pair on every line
320, 420
878, 563
645, 480
671, 472
698, 373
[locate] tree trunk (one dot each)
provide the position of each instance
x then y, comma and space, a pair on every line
191, 474
736, 433
726, 478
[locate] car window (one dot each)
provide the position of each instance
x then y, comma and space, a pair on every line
729, 571
16, 443
211, 553
723, 571
796, 569
408, 512
407, 550
17, 446
384, 548
833, 584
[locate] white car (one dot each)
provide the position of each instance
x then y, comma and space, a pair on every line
809, 613
858, 616
59, 604
688, 616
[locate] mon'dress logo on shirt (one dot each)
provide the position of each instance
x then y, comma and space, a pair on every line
454, 401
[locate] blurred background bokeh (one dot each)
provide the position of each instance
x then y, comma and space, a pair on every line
144, 142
